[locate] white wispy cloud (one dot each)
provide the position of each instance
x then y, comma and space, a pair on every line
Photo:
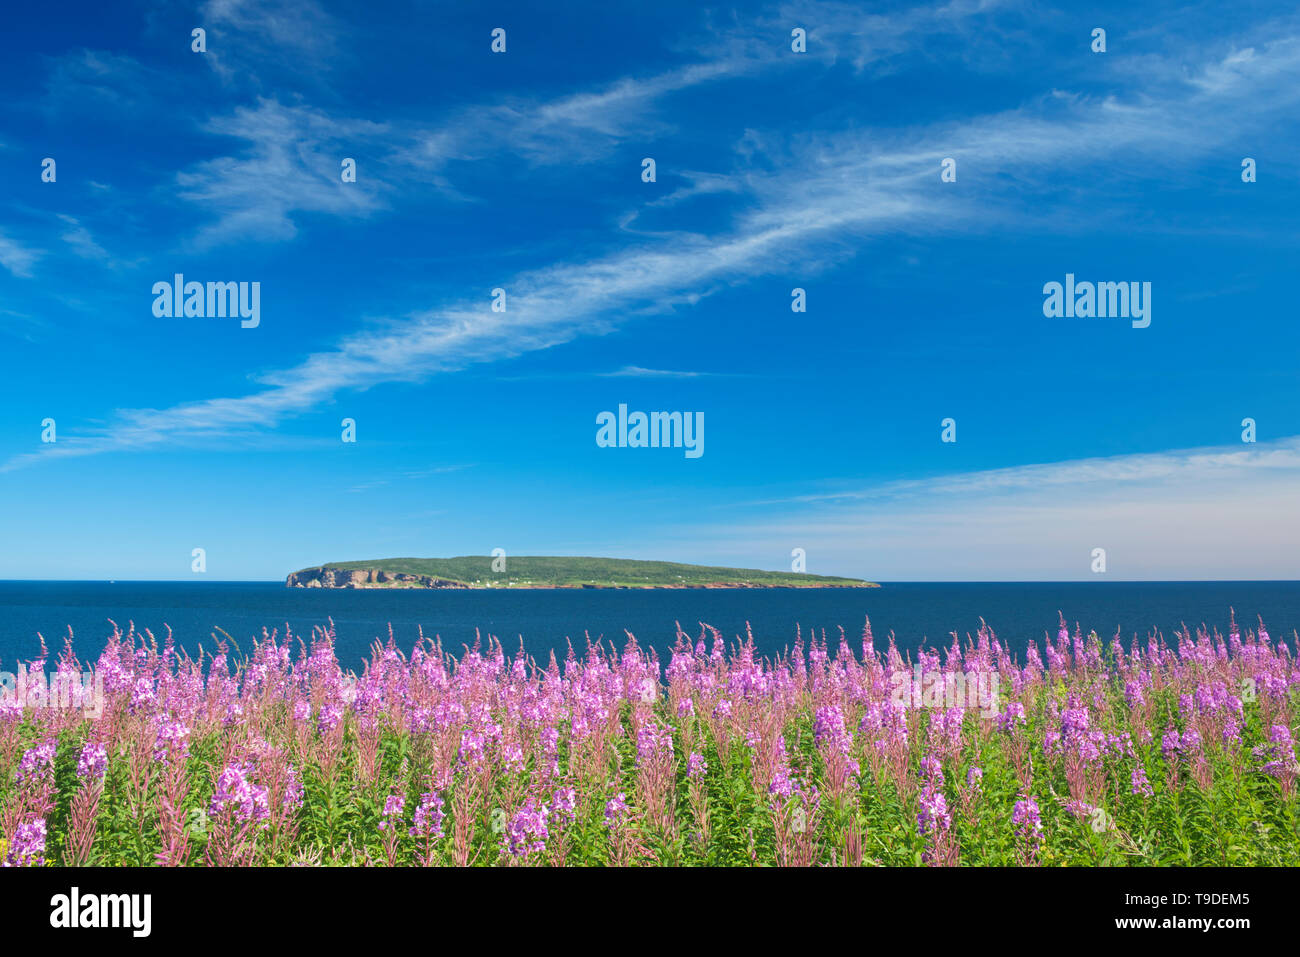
873, 41
17, 258
408, 475
291, 166
256, 193
82, 242
639, 372
21, 325
1225, 512
815, 204
250, 33
1282, 455
100, 81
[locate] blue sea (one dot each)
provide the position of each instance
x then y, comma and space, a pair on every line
916, 612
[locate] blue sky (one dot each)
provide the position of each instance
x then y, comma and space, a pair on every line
775, 170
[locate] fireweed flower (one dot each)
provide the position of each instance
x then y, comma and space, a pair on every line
36, 763
1027, 819
653, 740
27, 846
512, 757
783, 784
1281, 752
969, 795
234, 714
293, 790
142, 696
1170, 744
1012, 716
237, 795
1080, 809
1133, 696
172, 741
93, 762
933, 822
473, 748
566, 802
828, 723
832, 737
429, 816
11, 708
934, 814
696, 766
1099, 717
932, 769
1074, 721
646, 691
527, 833
616, 810
1138, 783
330, 716
393, 808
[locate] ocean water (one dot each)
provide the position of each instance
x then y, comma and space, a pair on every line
917, 613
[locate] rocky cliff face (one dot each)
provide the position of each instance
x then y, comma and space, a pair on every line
364, 578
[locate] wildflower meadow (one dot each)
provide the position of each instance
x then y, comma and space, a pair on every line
1094, 752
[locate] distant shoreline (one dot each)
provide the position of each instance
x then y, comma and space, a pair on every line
512, 586
487, 573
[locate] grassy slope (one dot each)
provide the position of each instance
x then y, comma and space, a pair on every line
549, 570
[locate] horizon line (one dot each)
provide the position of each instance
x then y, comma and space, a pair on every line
913, 581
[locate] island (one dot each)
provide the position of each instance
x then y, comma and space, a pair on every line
541, 571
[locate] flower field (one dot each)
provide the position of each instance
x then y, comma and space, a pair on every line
1150, 752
